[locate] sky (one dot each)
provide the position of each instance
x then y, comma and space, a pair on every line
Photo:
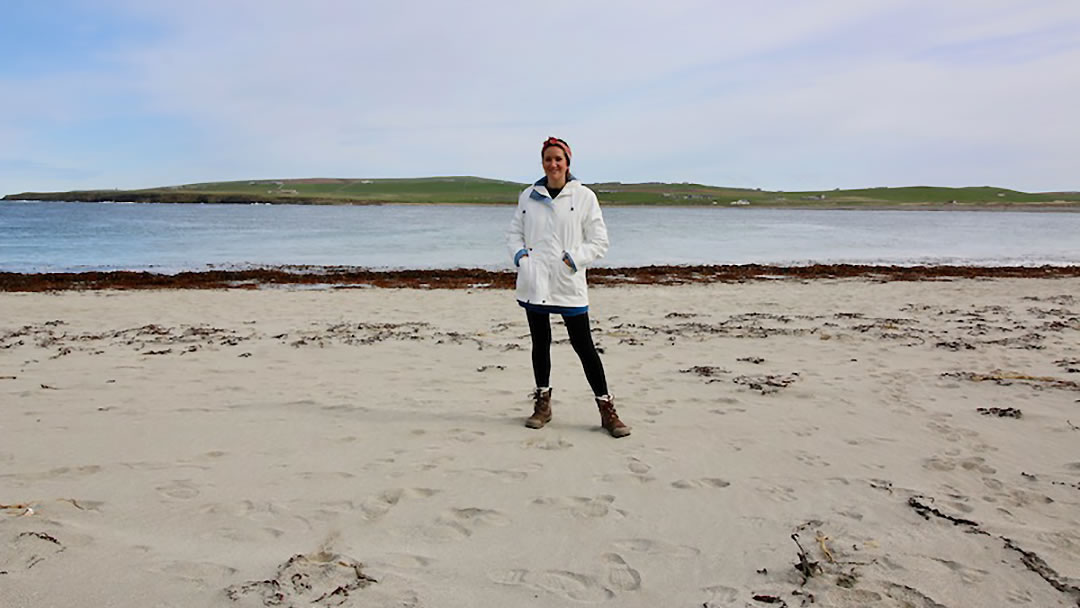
779, 95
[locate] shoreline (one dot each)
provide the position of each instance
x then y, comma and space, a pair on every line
1063, 207
338, 277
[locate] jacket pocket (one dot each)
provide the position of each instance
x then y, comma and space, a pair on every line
526, 279
563, 281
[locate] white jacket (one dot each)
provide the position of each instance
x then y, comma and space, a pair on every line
547, 230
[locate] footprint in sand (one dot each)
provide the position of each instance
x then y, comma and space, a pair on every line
507, 475
1065, 540
656, 547
838, 596
193, 571
730, 410
322, 578
405, 561
974, 463
378, 505
581, 506
910, 596
624, 477
465, 435
180, 488
704, 482
547, 444
720, 595
967, 574
457, 524
778, 493
28, 550
638, 472
620, 575
71, 471
329, 476
566, 584
811, 460
1019, 596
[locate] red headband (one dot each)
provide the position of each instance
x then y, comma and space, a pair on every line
555, 141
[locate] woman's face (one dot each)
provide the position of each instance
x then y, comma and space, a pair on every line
555, 164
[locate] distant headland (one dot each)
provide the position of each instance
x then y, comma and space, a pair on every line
478, 190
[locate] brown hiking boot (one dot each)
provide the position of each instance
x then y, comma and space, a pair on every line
609, 419
541, 409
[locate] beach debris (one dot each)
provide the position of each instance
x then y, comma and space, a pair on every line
769, 599
8, 378
321, 578
926, 511
705, 371
754, 360
847, 580
1030, 559
1005, 378
680, 315
484, 368
1000, 412
1038, 565
25, 508
74, 502
1072, 426
158, 352
35, 547
43, 536
48, 387
1060, 300
882, 484
805, 567
1071, 366
466, 278
766, 383
955, 345
821, 538
807, 597
244, 355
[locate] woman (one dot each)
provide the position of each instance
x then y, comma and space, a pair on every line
557, 231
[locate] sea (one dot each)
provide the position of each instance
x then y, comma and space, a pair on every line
45, 237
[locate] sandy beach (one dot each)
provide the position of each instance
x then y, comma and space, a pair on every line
365, 447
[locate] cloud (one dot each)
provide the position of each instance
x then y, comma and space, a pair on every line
783, 95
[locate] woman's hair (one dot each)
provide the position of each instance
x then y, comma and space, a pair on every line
555, 142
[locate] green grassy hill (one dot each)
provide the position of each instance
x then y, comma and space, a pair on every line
476, 190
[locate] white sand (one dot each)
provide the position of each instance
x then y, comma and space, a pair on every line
358, 423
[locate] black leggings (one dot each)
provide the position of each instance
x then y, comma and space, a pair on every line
577, 327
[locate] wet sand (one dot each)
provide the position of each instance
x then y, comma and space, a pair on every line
885, 437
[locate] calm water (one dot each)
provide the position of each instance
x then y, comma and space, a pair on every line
55, 237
